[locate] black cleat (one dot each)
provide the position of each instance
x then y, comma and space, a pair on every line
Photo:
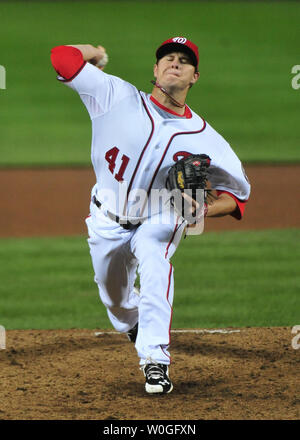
132, 334
157, 378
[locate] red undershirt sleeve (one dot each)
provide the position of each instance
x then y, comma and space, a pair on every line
240, 208
67, 61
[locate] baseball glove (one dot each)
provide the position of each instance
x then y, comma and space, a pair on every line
187, 176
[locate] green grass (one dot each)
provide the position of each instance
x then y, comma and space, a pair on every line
247, 51
224, 279
238, 279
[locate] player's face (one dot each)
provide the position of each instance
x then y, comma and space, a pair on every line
175, 70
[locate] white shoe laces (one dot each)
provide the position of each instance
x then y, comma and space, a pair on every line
154, 371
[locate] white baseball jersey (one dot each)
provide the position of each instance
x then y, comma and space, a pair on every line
134, 143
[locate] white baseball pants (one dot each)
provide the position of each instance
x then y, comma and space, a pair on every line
116, 255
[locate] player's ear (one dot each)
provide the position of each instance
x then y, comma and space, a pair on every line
195, 77
155, 70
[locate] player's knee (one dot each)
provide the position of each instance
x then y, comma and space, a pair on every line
154, 262
147, 250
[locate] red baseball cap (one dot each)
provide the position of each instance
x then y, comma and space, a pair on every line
181, 44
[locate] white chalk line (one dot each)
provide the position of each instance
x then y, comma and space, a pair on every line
202, 331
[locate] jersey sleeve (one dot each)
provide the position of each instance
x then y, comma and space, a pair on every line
99, 91
228, 176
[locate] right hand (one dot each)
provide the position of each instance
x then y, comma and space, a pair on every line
102, 55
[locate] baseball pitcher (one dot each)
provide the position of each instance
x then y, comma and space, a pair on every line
145, 149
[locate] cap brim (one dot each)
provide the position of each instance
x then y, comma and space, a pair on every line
176, 47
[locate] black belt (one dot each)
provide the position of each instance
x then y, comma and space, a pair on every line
116, 218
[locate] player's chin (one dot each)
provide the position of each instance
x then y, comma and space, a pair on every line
171, 81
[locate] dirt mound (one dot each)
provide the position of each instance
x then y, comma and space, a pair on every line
72, 374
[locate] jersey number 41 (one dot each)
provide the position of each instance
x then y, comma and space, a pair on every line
111, 157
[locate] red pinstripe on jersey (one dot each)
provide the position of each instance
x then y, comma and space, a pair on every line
142, 153
164, 153
166, 149
172, 238
168, 292
177, 226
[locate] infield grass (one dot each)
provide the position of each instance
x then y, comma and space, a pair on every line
247, 51
228, 279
